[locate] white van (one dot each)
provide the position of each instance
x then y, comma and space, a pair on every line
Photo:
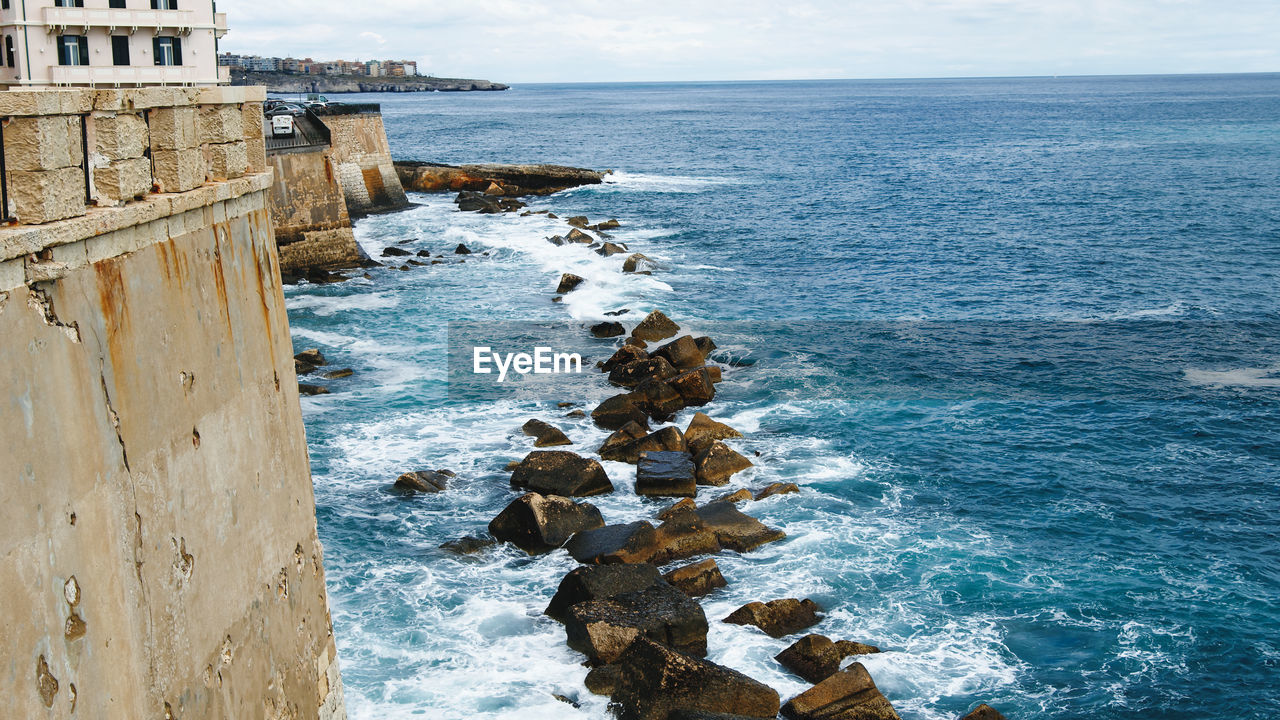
281, 125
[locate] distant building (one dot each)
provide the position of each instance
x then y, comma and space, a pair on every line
111, 43
307, 66
374, 68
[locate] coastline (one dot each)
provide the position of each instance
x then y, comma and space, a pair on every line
296, 83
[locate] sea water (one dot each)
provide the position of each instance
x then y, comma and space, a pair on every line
1015, 340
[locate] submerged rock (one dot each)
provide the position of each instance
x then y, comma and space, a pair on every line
619, 410
654, 681
777, 489
537, 523
735, 529
850, 694
697, 579
568, 283
608, 330
778, 618
547, 434
423, 481
394, 252
468, 545
462, 250
603, 629
656, 326
665, 474
703, 430
631, 543
983, 712
717, 462
682, 353
816, 658
305, 389
560, 472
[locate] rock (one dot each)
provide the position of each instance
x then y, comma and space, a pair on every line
634, 263
777, 489
658, 398
578, 221
602, 679
301, 368
338, 374
552, 216
631, 543
705, 345
575, 414
778, 618
616, 446
697, 579
461, 250
599, 582
556, 240
681, 535
695, 387
635, 341
847, 695
577, 236
468, 545
717, 463
665, 474
305, 389
568, 283
494, 189
616, 313
560, 472
609, 249
423, 481
547, 435
682, 353
566, 404
816, 658
654, 680
608, 330
511, 466
537, 523
655, 326
736, 496
735, 529
603, 629
311, 357
607, 225
619, 410
983, 712
394, 252
625, 355
424, 253
704, 715
680, 505
633, 373
703, 430
716, 374
624, 446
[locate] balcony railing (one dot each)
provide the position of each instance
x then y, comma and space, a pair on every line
123, 76
73, 17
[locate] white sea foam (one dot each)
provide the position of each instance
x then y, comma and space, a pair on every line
647, 182
1268, 377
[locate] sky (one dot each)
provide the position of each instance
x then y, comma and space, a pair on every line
531, 41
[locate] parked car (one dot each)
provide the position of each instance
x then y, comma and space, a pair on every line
282, 125
285, 109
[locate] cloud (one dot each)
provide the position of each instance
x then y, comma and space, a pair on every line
623, 40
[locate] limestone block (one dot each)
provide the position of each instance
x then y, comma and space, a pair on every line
256, 151
173, 128
251, 117
45, 101
221, 124
123, 180
12, 274
178, 170
226, 160
43, 143
121, 136
45, 196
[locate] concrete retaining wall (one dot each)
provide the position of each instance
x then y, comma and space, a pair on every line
309, 211
362, 157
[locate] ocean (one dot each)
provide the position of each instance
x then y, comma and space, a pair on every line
1015, 340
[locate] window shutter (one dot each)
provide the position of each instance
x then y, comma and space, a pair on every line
155, 4
177, 51
83, 41
62, 50
155, 47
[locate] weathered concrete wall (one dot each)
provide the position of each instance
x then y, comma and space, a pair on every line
309, 212
158, 552
362, 157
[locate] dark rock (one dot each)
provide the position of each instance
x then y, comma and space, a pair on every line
415, 263
305, 389
778, 618
607, 225
621, 444
695, 387
636, 342
678, 506
625, 355
423, 481
394, 252
654, 681
681, 535
655, 326
736, 496
599, 582
847, 695
633, 373
616, 313
608, 330
735, 529
560, 472
537, 523
717, 463
566, 404
665, 474
704, 715
602, 680
619, 410
575, 414
682, 353
301, 368
658, 398
338, 374
424, 253
578, 221
461, 250
816, 658
468, 545
703, 430
609, 249
697, 579
983, 712
577, 236
705, 345
777, 489
634, 263
568, 283
603, 629
632, 543
311, 357
547, 435
556, 240
716, 374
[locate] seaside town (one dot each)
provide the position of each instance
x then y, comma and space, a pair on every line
307, 66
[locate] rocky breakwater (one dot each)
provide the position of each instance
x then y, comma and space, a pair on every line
492, 179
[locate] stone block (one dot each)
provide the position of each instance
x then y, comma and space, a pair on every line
12, 274
256, 154
45, 196
226, 160
221, 124
45, 101
121, 136
252, 120
173, 128
43, 143
178, 170
123, 180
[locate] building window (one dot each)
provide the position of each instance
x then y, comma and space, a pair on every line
8, 51
168, 50
73, 50
69, 3
164, 4
116, 4
4, 4
120, 49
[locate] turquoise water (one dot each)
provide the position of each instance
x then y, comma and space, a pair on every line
1015, 339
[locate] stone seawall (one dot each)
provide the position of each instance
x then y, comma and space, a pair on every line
158, 549
312, 226
362, 157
